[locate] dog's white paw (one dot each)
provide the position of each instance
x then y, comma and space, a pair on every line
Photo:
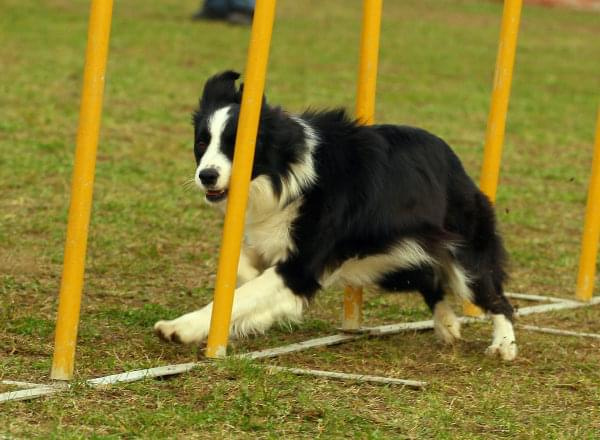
507, 350
191, 328
503, 342
445, 323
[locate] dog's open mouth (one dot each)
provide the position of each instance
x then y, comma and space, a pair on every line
216, 195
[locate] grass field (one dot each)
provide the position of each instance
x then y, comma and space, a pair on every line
153, 243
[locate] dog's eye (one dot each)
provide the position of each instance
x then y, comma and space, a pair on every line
201, 146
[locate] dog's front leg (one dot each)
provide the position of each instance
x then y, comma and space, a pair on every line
249, 266
256, 306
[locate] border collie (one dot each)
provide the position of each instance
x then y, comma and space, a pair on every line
335, 201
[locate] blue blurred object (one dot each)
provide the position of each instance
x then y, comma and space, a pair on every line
233, 11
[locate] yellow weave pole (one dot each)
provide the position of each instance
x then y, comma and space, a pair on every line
365, 111
500, 96
494, 138
591, 229
369, 56
82, 183
233, 230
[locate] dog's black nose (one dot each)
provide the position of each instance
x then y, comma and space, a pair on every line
208, 176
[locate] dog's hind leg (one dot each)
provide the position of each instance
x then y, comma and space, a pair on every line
481, 289
427, 283
445, 323
450, 279
483, 256
490, 297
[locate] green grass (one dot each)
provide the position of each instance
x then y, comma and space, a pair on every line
153, 245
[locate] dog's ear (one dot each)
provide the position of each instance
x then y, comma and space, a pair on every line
220, 89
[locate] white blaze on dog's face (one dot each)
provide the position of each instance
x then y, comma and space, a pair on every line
213, 147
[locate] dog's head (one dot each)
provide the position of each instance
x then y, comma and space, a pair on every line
215, 127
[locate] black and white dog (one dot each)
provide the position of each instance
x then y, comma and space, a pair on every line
335, 201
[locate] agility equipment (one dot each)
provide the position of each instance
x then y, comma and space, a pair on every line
233, 230
87, 140
82, 184
591, 228
35, 390
494, 138
365, 111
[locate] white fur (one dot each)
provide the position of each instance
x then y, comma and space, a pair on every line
213, 157
264, 301
456, 280
302, 174
191, 328
268, 226
248, 265
445, 323
262, 200
367, 270
257, 305
503, 339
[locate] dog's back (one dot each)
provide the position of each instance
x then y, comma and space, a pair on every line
393, 206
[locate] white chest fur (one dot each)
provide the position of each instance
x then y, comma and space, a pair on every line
268, 225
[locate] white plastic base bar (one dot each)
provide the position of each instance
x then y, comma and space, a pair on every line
543, 308
20, 384
555, 331
149, 373
32, 393
300, 346
39, 390
347, 376
541, 298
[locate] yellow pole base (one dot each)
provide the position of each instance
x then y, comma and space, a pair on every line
470, 309
353, 299
591, 229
